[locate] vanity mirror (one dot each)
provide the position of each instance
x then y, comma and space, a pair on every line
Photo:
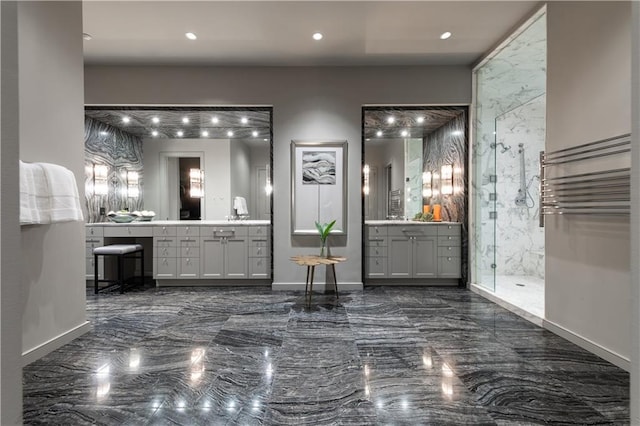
405, 152
230, 146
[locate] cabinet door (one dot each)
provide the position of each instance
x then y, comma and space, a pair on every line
399, 252
450, 267
376, 267
212, 258
236, 259
259, 267
188, 267
425, 257
164, 267
90, 270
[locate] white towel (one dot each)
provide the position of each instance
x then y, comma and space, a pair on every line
34, 195
240, 206
64, 199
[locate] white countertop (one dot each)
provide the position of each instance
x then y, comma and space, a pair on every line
185, 223
405, 222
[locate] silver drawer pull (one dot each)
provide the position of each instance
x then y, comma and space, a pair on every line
450, 237
449, 259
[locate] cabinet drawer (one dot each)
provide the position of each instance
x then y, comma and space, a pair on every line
258, 251
449, 240
91, 245
259, 267
413, 230
164, 242
189, 251
258, 231
376, 251
164, 267
188, 231
376, 231
223, 231
128, 231
189, 267
258, 243
377, 242
449, 230
189, 242
164, 231
449, 267
160, 251
448, 251
89, 262
94, 231
376, 267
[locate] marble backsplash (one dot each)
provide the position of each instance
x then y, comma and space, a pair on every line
121, 152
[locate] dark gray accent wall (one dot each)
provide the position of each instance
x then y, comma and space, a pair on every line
120, 152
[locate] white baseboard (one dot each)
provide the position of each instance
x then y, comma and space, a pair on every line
589, 345
317, 287
51, 345
508, 306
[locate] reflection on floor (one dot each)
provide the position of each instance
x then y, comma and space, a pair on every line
382, 356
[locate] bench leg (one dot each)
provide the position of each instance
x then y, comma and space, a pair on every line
335, 279
95, 273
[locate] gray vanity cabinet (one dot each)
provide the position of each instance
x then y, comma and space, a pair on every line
413, 251
94, 238
224, 252
376, 252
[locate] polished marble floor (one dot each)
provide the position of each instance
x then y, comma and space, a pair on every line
250, 356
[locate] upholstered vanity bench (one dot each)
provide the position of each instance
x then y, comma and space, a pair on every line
120, 251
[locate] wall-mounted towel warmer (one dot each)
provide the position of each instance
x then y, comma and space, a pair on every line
601, 192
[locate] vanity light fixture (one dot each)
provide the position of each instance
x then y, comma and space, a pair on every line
244, 120
205, 134
185, 120
446, 179
190, 36
317, 36
365, 172
215, 120
427, 191
154, 133
445, 35
133, 187
100, 175
156, 120
229, 133
196, 183
254, 133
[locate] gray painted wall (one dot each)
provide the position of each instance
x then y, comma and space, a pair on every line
635, 216
51, 72
587, 259
10, 288
309, 104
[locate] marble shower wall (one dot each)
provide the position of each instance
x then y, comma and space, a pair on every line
120, 152
511, 79
520, 250
448, 145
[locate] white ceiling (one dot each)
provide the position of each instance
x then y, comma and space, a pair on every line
278, 33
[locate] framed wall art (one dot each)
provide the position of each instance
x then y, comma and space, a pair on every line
318, 186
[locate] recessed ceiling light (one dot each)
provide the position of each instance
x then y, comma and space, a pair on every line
390, 120
179, 133
103, 133
404, 133
379, 133
190, 36
244, 120
265, 139
126, 120
155, 120
229, 133
420, 119
317, 36
457, 133
204, 133
214, 120
255, 133
154, 133
185, 120
86, 36
445, 35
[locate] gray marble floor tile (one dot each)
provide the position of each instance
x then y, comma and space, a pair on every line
386, 355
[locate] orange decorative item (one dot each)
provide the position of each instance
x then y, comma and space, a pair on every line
426, 208
436, 213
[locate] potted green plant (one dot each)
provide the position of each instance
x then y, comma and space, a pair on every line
324, 231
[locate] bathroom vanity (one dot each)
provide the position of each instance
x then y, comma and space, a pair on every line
409, 252
192, 252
